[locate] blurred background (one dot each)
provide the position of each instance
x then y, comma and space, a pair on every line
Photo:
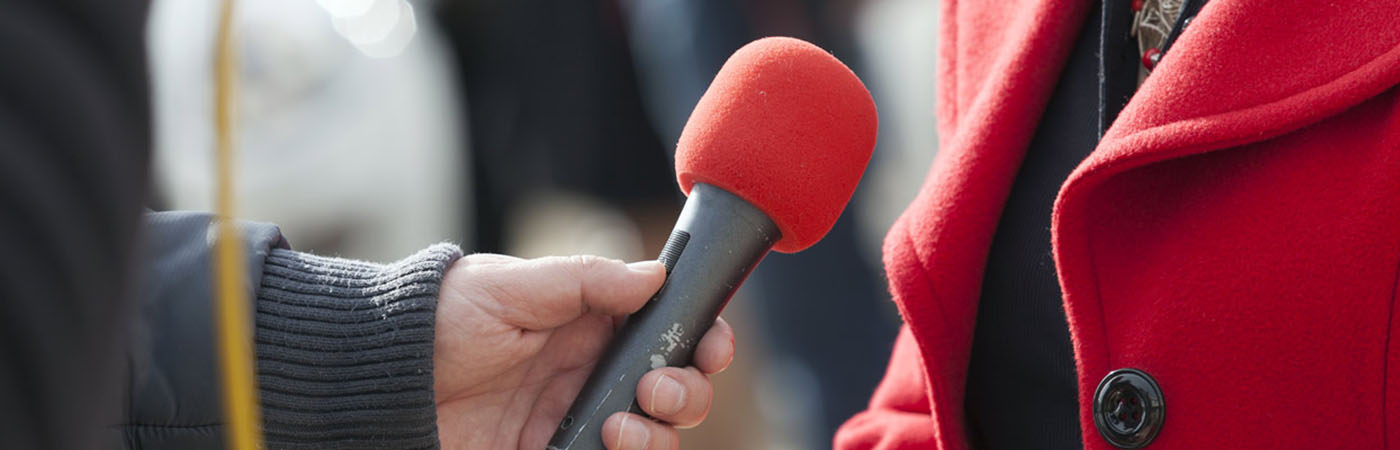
546, 127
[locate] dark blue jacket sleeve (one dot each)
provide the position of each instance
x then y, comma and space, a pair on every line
174, 395
328, 333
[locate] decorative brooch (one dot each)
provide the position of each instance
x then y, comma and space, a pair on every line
1152, 24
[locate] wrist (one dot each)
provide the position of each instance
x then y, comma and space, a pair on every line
345, 348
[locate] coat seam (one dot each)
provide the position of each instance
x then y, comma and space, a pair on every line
938, 431
1385, 366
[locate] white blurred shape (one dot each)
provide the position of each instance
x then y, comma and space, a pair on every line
372, 26
353, 156
345, 8
398, 38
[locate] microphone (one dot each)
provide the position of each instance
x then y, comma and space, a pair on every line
768, 159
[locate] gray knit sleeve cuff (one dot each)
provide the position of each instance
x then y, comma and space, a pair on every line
345, 350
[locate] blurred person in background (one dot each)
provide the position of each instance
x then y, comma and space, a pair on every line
108, 330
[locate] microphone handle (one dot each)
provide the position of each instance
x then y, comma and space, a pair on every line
718, 240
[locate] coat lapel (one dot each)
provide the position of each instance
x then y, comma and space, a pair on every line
999, 64
1245, 71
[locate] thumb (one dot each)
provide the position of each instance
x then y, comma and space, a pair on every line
548, 292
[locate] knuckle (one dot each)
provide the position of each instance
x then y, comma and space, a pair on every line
582, 265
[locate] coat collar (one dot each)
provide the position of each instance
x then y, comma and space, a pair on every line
1249, 70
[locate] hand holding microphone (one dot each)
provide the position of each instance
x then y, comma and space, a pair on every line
769, 158
516, 338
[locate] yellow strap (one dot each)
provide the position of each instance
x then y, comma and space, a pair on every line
234, 328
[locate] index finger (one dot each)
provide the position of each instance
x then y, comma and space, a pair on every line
547, 292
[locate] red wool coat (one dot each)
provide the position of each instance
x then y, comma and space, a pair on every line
1235, 235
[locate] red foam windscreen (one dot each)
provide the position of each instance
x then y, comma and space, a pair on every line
786, 127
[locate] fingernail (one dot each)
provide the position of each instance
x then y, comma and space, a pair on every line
645, 266
632, 435
667, 396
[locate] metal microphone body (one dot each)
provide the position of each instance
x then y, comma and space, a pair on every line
718, 240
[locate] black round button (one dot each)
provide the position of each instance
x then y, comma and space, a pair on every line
1128, 408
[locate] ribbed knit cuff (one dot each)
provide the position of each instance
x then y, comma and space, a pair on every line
345, 350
